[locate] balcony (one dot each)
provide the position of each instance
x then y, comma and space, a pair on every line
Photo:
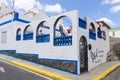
42, 38
63, 41
28, 36
18, 37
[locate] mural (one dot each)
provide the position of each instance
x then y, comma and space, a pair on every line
96, 55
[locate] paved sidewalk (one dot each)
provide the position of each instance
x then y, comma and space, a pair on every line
85, 76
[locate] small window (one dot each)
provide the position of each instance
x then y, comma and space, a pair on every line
82, 23
104, 35
18, 35
113, 33
99, 33
28, 33
4, 37
92, 31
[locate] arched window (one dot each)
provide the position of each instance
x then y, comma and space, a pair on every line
28, 33
18, 34
99, 33
63, 31
104, 35
92, 31
43, 33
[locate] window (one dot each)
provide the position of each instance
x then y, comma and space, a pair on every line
18, 35
63, 31
82, 24
4, 37
92, 32
43, 33
28, 33
104, 35
99, 33
113, 33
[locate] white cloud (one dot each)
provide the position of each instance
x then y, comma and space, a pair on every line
110, 1
108, 21
115, 9
54, 8
115, 5
4, 1
26, 4
33, 4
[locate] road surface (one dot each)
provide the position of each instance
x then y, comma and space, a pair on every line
115, 75
11, 72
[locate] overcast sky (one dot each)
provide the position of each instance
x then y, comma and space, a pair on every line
107, 10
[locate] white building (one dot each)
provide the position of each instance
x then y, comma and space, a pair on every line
114, 32
77, 46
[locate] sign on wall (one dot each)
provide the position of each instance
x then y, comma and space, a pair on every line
4, 37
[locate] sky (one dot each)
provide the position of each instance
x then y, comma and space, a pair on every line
106, 10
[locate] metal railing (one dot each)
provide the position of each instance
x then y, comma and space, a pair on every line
63, 41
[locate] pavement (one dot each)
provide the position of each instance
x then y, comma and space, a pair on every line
115, 75
11, 72
97, 73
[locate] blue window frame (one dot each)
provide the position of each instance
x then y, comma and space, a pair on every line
18, 37
82, 23
99, 34
92, 35
28, 33
92, 32
41, 38
28, 36
63, 41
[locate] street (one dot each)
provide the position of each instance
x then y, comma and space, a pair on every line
11, 72
115, 75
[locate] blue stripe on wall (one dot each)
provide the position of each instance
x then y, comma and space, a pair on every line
6, 22
16, 18
24, 21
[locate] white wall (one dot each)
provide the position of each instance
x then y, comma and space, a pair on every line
48, 50
99, 46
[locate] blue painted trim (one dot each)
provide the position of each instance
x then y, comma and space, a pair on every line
28, 54
92, 35
28, 36
59, 60
99, 35
76, 71
24, 21
6, 22
63, 41
58, 30
45, 27
18, 37
16, 18
49, 28
42, 38
82, 23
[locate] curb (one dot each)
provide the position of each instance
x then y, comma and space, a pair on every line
45, 73
106, 72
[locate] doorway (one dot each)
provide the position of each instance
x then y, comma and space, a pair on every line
83, 52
